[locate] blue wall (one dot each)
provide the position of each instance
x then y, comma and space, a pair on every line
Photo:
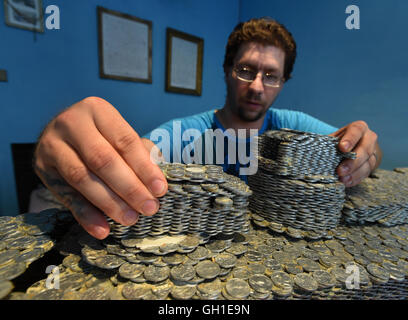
55, 69
340, 75
345, 75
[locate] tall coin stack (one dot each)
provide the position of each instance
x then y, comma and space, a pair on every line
200, 199
296, 185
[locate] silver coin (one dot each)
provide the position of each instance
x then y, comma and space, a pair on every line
225, 260
207, 269
185, 292
378, 271
324, 279
50, 294
260, 283
174, 259
256, 268
109, 262
156, 274
293, 268
135, 291
182, 272
5, 288
12, 270
238, 288
200, 253
131, 271
305, 282
8, 256
281, 279
95, 293
212, 288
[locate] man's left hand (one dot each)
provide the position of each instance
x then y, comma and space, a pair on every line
357, 137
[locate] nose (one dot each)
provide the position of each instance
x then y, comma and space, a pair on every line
257, 85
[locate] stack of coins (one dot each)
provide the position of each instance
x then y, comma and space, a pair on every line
199, 199
295, 153
296, 184
382, 198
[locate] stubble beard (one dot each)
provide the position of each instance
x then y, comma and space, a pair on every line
249, 117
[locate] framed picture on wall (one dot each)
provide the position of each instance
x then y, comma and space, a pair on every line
125, 46
25, 14
184, 62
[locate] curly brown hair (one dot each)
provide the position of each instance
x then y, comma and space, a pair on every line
266, 31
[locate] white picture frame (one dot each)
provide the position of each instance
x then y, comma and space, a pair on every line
24, 14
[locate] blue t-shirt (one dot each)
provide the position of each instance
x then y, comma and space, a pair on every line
192, 139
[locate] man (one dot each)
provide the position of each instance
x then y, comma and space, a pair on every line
95, 163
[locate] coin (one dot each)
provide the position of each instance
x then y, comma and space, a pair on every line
12, 270
109, 262
131, 242
168, 247
280, 279
135, 291
184, 292
282, 291
182, 272
71, 281
237, 288
5, 288
225, 260
308, 264
200, 253
305, 282
189, 243
378, 271
237, 249
241, 273
217, 246
174, 259
324, 279
50, 294
162, 290
95, 293
156, 274
293, 268
8, 256
207, 269
260, 283
256, 268
212, 288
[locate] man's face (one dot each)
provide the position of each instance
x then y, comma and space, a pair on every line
250, 100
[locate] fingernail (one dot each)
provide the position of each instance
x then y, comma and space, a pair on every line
345, 145
157, 187
130, 217
150, 207
100, 232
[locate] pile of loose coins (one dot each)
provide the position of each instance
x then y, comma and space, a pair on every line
25, 239
356, 262
382, 197
200, 200
296, 188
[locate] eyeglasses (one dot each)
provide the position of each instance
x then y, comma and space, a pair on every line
245, 73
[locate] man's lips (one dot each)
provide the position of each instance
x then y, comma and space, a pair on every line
253, 104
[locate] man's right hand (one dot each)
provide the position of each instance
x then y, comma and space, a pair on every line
94, 163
